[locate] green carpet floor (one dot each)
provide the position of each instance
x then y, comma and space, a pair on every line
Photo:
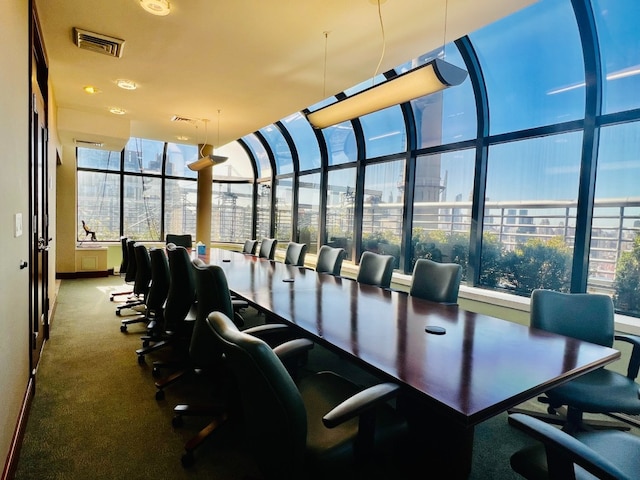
95, 415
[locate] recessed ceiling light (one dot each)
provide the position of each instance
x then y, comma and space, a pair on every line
182, 137
117, 111
156, 7
126, 84
91, 90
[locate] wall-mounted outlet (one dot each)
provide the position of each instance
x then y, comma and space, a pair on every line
18, 225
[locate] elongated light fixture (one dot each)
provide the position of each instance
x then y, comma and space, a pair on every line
206, 161
429, 78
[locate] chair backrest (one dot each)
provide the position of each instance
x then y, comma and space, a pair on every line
212, 291
438, 282
268, 248
330, 259
160, 279
586, 316
182, 287
130, 274
277, 422
142, 283
250, 247
124, 264
375, 269
182, 240
295, 254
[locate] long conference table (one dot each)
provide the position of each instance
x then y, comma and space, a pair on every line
470, 369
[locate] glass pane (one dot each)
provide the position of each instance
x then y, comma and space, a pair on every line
614, 257
94, 158
99, 205
178, 157
447, 116
442, 208
284, 210
141, 204
341, 193
260, 154
383, 208
530, 212
279, 148
617, 25
263, 222
239, 165
231, 213
533, 67
180, 201
143, 156
341, 143
305, 141
384, 132
309, 210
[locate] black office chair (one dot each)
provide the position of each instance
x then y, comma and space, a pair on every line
302, 430
268, 248
588, 317
250, 247
180, 307
375, 269
295, 254
143, 277
157, 296
604, 454
124, 265
142, 280
437, 282
181, 240
330, 260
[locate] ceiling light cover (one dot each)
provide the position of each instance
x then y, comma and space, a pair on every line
91, 90
117, 111
424, 80
156, 7
126, 84
206, 161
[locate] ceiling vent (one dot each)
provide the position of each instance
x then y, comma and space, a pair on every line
177, 118
97, 42
87, 143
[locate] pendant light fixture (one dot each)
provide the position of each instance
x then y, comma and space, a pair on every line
207, 157
426, 79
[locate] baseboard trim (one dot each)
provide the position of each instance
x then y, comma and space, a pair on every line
11, 463
72, 275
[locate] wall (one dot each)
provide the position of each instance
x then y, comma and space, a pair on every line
14, 184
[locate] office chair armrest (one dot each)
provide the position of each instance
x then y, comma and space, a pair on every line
359, 403
293, 348
269, 332
634, 361
565, 449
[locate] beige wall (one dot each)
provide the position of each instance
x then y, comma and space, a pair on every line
66, 212
14, 185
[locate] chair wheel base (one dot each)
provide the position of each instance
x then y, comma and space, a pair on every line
187, 460
177, 421
123, 328
160, 395
141, 360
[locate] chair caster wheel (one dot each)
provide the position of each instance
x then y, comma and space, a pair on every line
155, 372
177, 421
551, 411
160, 395
141, 360
187, 460
118, 313
145, 343
123, 328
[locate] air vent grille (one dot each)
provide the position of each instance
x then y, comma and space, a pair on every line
177, 118
96, 42
88, 143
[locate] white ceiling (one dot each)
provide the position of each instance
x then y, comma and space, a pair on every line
255, 61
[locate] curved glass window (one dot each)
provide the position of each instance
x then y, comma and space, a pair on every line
231, 213
284, 209
178, 157
143, 156
614, 257
533, 67
263, 203
180, 203
142, 205
384, 132
239, 166
305, 141
341, 143
98, 203
442, 207
383, 208
279, 148
447, 116
617, 25
309, 210
260, 155
530, 213
341, 194
99, 159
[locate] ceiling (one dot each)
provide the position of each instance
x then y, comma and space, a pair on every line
232, 66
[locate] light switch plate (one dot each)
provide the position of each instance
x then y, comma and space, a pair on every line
18, 225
